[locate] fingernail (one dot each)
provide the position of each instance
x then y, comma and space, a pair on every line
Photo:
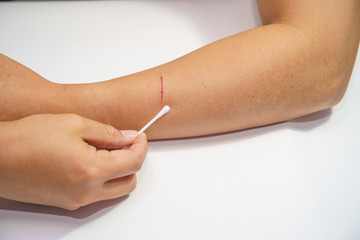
129, 133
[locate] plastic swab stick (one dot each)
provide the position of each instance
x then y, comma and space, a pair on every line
159, 115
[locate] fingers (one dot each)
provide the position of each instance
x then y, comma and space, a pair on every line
119, 167
104, 136
115, 167
118, 187
118, 163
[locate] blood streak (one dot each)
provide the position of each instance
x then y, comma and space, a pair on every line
162, 88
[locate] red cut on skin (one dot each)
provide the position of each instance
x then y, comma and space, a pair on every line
162, 88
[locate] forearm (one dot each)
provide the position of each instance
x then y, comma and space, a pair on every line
24, 92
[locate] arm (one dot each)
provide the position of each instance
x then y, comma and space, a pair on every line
299, 62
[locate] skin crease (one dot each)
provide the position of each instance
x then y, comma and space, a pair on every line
299, 62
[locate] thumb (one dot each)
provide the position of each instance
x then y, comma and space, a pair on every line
107, 137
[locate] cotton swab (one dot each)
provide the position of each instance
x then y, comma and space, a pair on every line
159, 115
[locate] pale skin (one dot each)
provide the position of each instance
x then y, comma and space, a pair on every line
299, 62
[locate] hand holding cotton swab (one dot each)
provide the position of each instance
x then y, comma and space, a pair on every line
159, 115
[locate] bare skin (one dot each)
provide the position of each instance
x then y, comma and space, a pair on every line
290, 67
299, 62
67, 161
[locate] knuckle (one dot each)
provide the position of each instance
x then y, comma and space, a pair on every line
137, 165
75, 199
111, 130
139, 158
84, 176
88, 175
81, 182
132, 184
72, 207
78, 200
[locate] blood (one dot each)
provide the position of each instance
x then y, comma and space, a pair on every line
162, 88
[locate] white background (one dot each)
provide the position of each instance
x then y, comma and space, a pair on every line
294, 180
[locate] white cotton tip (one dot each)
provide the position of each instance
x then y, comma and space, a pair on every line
165, 110
162, 112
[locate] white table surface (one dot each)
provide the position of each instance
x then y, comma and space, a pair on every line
295, 180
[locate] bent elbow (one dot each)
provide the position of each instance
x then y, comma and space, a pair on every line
335, 89
336, 69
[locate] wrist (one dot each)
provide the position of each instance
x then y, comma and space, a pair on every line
61, 96
73, 98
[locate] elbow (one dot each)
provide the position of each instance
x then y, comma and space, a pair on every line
332, 88
335, 95
333, 72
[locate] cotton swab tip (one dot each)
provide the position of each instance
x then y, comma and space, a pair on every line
162, 112
165, 109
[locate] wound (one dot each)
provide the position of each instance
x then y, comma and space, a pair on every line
161, 89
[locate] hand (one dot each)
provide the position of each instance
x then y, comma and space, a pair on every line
67, 161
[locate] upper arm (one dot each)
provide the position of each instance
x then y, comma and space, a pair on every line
336, 20
332, 29
335, 12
